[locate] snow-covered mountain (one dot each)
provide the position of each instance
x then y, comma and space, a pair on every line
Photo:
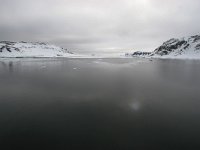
185, 48
188, 47
25, 49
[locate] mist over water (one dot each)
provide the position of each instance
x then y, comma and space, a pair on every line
95, 104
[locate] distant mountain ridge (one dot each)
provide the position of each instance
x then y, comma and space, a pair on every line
29, 49
185, 48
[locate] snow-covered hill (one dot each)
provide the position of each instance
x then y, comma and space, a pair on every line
25, 49
187, 48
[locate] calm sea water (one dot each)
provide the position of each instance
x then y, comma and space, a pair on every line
99, 104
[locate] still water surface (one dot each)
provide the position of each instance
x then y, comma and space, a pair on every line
99, 104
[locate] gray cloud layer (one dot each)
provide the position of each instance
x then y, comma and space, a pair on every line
99, 24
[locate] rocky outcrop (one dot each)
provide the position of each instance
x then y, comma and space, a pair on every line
138, 54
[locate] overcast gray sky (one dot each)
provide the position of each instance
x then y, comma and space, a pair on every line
99, 25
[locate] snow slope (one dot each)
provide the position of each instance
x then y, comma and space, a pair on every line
25, 49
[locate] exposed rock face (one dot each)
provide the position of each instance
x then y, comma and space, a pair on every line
9, 46
180, 47
171, 45
25, 49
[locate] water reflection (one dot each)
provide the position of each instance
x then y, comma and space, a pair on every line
136, 106
10, 66
179, 71
7, 66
